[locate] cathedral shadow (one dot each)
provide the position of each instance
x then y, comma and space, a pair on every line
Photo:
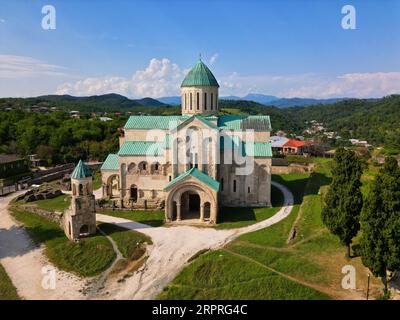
316, 181
235, 214
297, 187
15, 242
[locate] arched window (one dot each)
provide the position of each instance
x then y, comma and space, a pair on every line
80, 189
198, 100
132, 167
248, 189
191, 101
205, 100
234, 185
185, 102
143, 167
222, 184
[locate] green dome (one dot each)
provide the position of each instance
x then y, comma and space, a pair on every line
81, 171
200, 75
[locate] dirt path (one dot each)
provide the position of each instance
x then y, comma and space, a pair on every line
23, 261
174, 246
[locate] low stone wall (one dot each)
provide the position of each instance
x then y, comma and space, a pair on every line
292, 168
56, 216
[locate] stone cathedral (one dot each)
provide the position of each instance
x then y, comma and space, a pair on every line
194, 163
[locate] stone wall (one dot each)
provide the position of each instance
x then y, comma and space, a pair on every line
55, 216
292, 168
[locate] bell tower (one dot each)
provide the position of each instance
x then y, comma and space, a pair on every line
199, 91
80, 218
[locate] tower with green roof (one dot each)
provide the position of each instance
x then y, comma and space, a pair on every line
199, 91
80, 218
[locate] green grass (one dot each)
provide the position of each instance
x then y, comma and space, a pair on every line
89, 257
221, 275
229, 217
151, 218
277, 234
59, 203
7, 289
130, 243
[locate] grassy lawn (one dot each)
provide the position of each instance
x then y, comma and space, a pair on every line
265, 265
151, 218
229, 217
7, 289
59, 203
130, 243
89, 257
222, 275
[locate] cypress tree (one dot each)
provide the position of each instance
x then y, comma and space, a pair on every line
343, 202
380, 220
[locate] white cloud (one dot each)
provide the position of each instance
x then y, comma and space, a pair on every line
2, 20
25, 67
159, 78
355, 85
213, 59
163, 78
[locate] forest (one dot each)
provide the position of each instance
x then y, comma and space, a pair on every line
58, 138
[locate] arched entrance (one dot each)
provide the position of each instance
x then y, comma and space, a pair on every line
84, 230
190, 202
134, 193
113, 186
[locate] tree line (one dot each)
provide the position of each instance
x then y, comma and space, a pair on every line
377, 218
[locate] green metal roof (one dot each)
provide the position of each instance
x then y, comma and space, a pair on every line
154, 122
111, 163
231, 122
142, 148
260, 149
81, 171
199, 175
200, 75
243, 122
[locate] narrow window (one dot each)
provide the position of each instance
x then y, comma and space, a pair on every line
234, 185
212, 101
191, 101
198, 100
248, 189
222, 184
205, 100
170, 178
185, 102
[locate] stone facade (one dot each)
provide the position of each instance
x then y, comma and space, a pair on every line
80, 218
140, 177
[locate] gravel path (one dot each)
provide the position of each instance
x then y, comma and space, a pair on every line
174, 246
23, 261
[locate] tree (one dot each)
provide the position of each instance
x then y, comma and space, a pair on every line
380, 221
344, 201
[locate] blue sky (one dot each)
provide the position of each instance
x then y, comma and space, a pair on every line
143, 48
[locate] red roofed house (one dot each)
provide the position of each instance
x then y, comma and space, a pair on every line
293, 146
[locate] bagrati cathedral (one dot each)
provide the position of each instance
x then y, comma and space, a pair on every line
194, 163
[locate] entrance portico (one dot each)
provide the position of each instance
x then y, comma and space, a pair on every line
189, 198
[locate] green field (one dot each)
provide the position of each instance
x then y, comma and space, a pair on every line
265, 265
151, 218
89, 257
229, 218
59, 203
7, 289
131, 244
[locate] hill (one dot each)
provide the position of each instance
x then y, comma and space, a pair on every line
105, 102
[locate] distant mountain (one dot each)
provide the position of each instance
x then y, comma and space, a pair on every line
173, 100
300, 102
105, 102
